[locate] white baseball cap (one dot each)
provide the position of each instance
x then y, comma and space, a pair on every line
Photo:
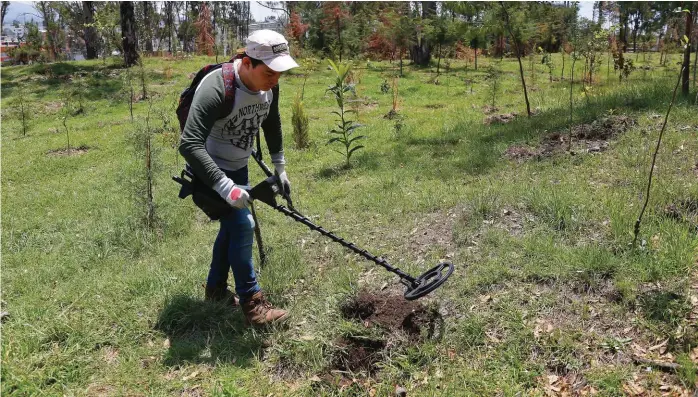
271, 48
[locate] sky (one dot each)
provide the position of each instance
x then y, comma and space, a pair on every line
259, 12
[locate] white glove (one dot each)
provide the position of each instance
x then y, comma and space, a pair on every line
281, 172
232, 194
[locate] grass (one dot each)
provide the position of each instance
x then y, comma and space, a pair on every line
545, 281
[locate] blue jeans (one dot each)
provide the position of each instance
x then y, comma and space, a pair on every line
233, 247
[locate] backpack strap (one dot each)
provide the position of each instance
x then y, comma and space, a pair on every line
229, 83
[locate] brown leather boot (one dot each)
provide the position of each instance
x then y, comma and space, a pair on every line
221, 293
258, 311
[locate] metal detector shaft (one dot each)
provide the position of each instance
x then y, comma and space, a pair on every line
292, 213
346, 244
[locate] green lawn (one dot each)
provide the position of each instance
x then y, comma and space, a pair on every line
547, 296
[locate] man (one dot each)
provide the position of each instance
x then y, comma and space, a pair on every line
217, 142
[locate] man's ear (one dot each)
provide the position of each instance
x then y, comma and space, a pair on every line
246, 62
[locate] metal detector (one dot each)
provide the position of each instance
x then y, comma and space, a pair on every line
416, 287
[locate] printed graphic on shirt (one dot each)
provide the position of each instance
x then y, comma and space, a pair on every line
243, 126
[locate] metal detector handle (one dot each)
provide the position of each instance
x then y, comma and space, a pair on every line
258, 158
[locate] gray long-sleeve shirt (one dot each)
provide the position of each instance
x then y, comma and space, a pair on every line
215, 138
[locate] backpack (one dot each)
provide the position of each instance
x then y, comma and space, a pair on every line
187, 96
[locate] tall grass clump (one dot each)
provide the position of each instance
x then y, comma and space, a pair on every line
143, 173
299, 120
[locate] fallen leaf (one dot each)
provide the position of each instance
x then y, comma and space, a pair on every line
315, 379
552, 379
655, 347
633, 389
166, 343
192, 376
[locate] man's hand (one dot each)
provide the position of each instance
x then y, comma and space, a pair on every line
283, 178
232, 194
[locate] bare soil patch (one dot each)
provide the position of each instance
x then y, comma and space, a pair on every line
52, 107
500, 118
359, 355
586, 138
391, 115
435, 106
76, 151
432, 231
392, 313
487, 109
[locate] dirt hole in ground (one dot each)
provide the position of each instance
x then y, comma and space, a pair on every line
358, 354
76, 151
588, 138
394, 317
392, 313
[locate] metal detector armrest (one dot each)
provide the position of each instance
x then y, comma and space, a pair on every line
266, 191
186, 180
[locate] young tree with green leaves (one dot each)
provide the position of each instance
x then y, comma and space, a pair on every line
516, 39
344, 133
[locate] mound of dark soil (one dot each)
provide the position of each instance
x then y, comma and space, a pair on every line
603, 128
589, 138
500, 118
392, 313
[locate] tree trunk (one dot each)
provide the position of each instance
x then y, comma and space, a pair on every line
438, 63
421, 52
128, 33
400, 62
562, 73
685, 79
624, 32
3, 12
476, 58
91, 38
169, 23
147, 23
695, 42
339, 38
